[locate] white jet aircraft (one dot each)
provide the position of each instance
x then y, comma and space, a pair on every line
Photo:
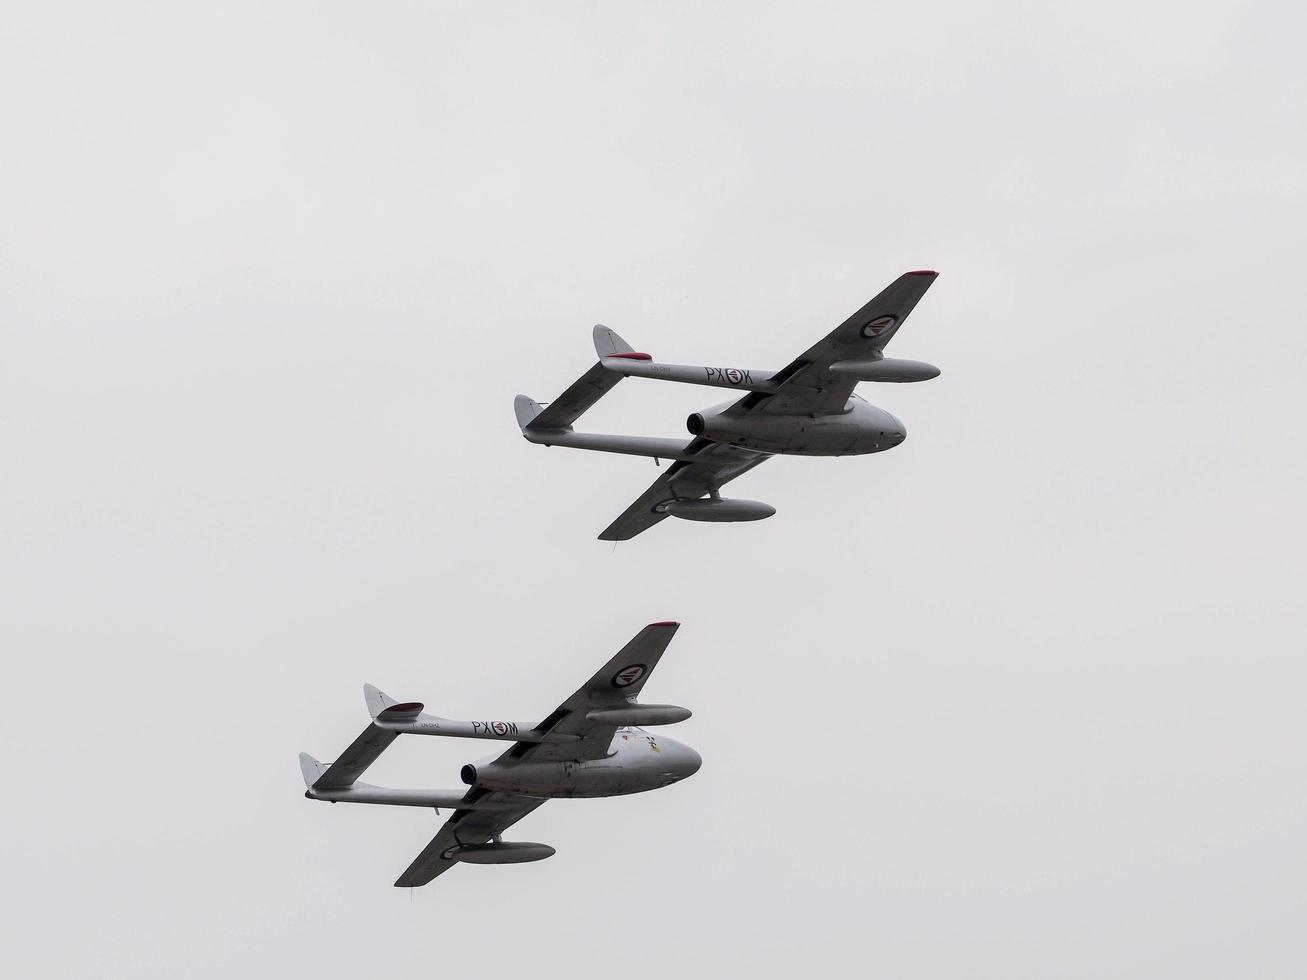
588, 747
808, 409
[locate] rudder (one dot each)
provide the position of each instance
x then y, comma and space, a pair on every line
608, 343
311, 769
526, 410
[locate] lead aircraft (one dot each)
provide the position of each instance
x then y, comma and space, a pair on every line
588, 747
808, 408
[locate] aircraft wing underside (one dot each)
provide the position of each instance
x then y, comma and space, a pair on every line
466, 827
615, 684
806, 386
713, 466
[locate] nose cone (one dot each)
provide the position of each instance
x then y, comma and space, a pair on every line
890, 432
898, 431
688, 762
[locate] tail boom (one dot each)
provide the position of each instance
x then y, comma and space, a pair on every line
626, 445
741, 379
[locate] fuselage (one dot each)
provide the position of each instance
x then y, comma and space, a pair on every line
637, 761
860, 429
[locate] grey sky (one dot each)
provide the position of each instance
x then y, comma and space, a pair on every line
1021, 698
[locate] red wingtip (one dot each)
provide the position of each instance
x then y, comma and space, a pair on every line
633, 356
924, 272
669, 622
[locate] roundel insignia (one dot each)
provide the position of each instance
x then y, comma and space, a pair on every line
879, 325
734, 375
499, 727
628, 675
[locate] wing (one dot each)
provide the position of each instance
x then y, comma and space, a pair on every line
806, 386
466, 826
713, 466
618, 681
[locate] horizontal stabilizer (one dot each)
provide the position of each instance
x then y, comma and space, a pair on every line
352, 763
564, 410
365, 749
576, 400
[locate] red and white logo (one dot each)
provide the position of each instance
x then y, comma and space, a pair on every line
879, 325
628, 675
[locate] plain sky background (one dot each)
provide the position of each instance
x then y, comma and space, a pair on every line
1022, 698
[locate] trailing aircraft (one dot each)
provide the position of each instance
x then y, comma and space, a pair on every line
592, 745
808, 408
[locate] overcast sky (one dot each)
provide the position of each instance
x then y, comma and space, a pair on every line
1020, 698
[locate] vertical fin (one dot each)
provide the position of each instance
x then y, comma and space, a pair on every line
608, 343
526, 410
311, 769
378, 701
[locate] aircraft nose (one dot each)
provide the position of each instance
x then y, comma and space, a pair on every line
895, 431
689, 762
